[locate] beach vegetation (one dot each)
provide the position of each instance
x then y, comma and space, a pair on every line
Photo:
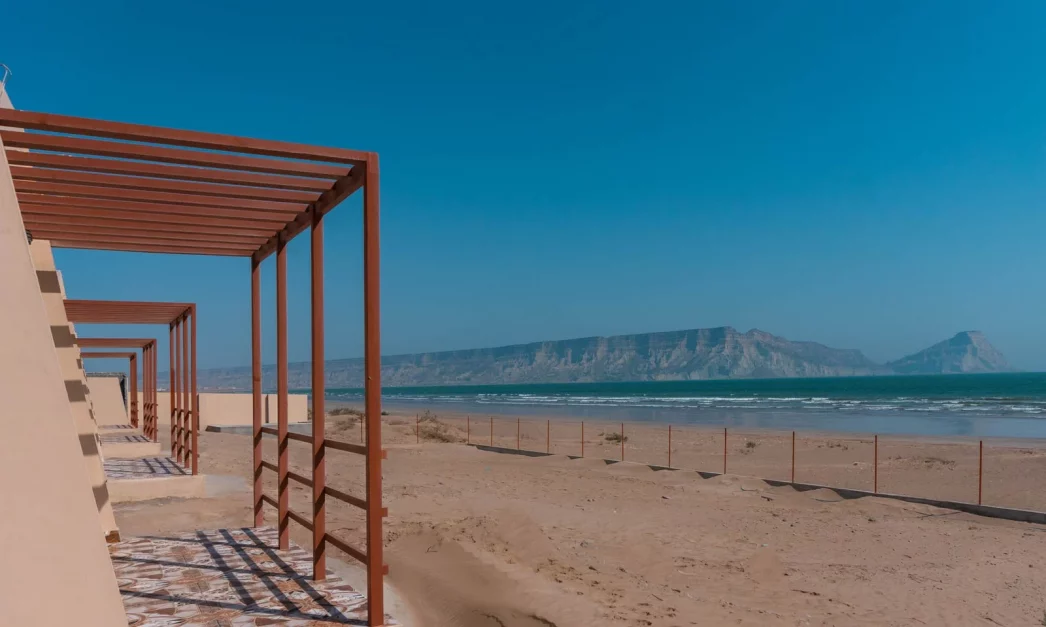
429, 427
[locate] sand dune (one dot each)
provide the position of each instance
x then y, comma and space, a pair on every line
463, 586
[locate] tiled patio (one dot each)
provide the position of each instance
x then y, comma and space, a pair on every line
143, 468
228, 578
122, 438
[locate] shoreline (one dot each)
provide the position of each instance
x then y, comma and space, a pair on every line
598, 418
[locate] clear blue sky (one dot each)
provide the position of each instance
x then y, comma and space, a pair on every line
863, 174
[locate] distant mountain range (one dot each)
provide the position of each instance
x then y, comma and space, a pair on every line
719, 353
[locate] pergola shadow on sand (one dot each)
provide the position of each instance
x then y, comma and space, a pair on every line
148, 348
150, 189
180, 319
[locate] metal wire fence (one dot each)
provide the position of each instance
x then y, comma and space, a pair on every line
989, 472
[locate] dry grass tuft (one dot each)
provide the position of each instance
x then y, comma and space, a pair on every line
431, 428
938, 461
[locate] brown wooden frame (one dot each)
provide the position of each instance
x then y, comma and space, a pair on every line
149, 413
94, 184
185, 403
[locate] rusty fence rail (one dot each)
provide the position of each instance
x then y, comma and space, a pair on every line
949, 469
318, 485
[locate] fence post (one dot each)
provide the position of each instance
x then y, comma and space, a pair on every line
875, 481
492, 430
582, 438
793, 457
669, 446
468, 429
724, 450
417, 427
622, 441
548, 437
517, 433
980, 471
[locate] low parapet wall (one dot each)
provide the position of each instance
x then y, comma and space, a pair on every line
217, 408
107, 397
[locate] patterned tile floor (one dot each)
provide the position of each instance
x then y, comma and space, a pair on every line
228, 578
143, 468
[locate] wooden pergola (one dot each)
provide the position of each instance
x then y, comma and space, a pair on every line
180, 319
94, 184
148, 348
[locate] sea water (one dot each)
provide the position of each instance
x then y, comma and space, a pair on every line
984, 405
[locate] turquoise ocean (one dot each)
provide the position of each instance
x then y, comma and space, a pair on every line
987, 405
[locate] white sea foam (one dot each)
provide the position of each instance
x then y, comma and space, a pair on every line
699, 404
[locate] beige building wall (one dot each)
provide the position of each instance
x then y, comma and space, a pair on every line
236, 409
64, 336
50, 546
107, 399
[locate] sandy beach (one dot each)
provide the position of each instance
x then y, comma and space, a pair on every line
482, 539
935, 467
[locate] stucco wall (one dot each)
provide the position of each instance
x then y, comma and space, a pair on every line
49, 538
63, 335
109, 408
236, 409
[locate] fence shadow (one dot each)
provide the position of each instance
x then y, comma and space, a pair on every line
228, 576
844, 493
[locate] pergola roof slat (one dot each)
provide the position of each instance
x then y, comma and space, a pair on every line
114, 342
44, 231
145, 152
170, 172
193, 139
81, 311
62, 242
279, 217
76, 189
120, 239
130, 217
72, 222
24, 173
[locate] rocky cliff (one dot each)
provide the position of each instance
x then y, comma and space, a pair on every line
719, 353
966, 352
677, 355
